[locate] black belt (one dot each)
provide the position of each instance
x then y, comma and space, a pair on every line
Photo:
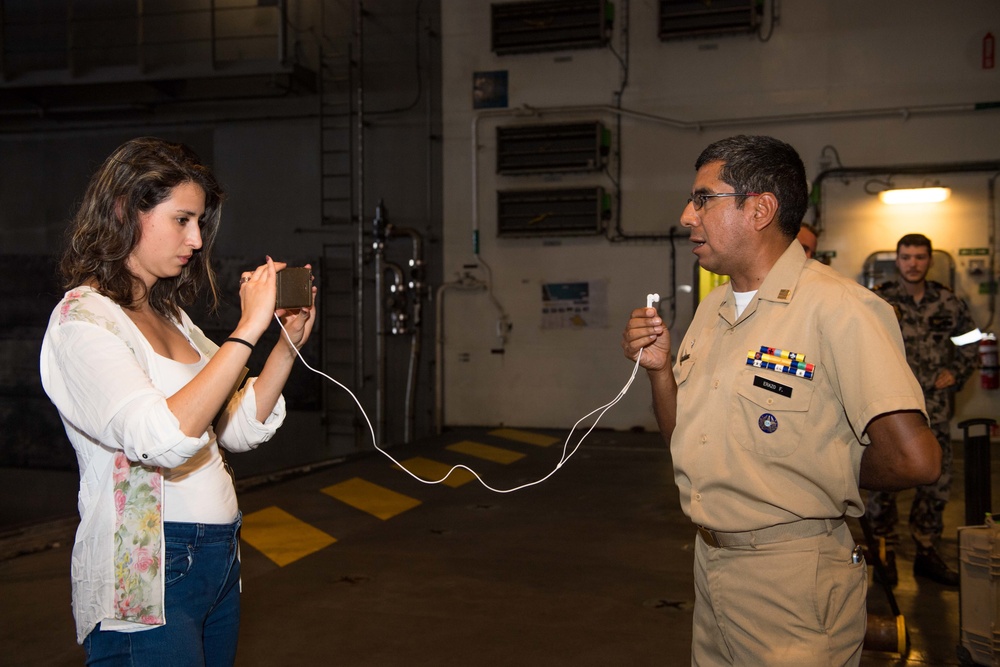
781, 533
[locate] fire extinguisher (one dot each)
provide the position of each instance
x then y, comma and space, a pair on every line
990, 367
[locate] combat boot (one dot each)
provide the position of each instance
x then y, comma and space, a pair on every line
929, 565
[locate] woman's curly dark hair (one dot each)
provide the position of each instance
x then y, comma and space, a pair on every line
134, 179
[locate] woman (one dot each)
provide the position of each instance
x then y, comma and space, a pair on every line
155, 565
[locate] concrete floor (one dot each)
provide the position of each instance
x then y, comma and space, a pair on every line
591, 567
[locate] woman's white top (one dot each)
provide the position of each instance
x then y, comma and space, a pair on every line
111, 392
200, 490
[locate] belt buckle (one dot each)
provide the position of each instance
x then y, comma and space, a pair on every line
709, 537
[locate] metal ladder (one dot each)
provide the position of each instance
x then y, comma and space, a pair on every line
341, 268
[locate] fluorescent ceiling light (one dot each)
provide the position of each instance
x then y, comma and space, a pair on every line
914, 196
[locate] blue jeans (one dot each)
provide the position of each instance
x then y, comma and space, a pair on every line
202, 604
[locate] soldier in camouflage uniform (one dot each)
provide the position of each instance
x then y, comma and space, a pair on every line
929, 314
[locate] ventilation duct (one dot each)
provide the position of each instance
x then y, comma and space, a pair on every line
550, 25
552, 212
695, 18
555, 147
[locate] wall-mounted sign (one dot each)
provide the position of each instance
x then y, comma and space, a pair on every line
576, 305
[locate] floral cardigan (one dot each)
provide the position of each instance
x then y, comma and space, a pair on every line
96, 368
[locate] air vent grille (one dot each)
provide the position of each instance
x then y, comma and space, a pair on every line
549, 25
552, 212
695, 18
562, 147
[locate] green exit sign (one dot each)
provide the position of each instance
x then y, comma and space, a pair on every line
973, 251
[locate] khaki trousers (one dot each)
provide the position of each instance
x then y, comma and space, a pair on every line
798, 602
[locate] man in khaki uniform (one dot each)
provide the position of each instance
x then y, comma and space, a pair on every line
790, 391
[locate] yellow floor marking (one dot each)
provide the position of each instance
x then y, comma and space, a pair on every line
524, 436
281, 537
372, 498
487, 452
433, 470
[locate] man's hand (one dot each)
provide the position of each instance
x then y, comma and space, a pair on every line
944, 380
645, 331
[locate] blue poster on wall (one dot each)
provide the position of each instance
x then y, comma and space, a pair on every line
574, 305
489, 90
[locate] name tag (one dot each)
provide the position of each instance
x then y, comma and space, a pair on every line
771, 385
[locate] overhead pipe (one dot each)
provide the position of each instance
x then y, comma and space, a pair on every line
503, 324
904, 113
895, 170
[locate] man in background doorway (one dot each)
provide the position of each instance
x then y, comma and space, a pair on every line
809, 238
930, 317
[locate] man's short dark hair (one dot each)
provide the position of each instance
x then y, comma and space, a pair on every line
918, 240
763, 164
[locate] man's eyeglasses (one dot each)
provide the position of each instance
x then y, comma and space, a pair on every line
699, 199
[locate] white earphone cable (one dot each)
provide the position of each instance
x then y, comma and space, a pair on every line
565, 456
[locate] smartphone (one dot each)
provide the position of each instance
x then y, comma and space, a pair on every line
294, 287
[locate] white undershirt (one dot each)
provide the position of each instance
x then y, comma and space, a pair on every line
742, 301
200, 490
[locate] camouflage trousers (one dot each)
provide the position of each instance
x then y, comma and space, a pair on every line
929, 500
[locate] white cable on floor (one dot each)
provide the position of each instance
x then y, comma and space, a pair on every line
563, 460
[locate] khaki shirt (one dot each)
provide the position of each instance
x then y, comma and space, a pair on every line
755, 447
